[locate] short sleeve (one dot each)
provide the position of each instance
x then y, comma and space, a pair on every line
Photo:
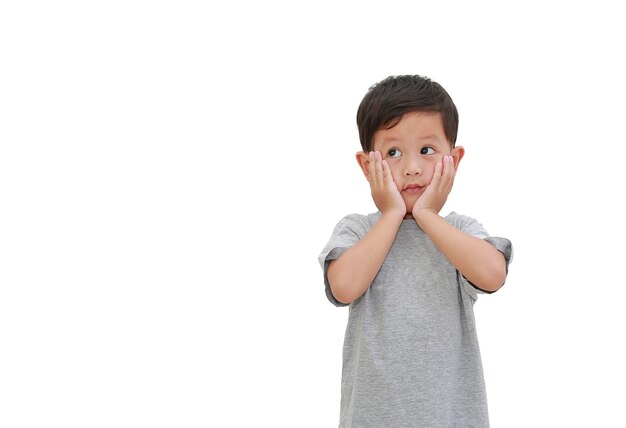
346, 233
474, 228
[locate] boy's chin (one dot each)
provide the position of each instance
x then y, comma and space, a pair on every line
409, 210
409, 203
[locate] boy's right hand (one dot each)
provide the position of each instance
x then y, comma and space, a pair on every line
384, 191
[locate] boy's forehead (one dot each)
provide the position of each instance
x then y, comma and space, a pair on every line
417, 126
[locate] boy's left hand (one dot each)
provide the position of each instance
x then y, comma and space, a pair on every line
436, 193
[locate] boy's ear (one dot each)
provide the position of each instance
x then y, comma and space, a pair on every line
363, 160
457, 154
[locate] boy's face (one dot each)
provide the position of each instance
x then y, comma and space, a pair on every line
412, 148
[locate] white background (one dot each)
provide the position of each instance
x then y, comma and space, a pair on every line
169, 172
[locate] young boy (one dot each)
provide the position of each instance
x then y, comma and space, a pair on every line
410, 276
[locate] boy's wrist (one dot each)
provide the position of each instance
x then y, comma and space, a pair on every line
396, 215
423, 215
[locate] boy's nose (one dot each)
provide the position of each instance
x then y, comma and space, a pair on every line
412, 167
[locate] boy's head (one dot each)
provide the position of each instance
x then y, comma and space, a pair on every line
387, 101
413, 123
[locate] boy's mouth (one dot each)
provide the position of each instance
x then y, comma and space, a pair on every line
412, 188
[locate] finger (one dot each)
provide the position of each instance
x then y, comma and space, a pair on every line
387, 177
372, 168
444, 170
379, 168
452, 168
437, 175
448, 172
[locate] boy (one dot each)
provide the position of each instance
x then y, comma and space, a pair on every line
410, 276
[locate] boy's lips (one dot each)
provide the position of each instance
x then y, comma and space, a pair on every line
412, 188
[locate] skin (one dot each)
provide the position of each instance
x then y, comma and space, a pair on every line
411, 172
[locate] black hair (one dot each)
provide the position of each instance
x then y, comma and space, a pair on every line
388, 100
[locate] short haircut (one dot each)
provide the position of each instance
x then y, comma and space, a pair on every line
388, 100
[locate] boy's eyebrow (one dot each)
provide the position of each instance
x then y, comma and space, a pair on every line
429, 137
389, 140
425, 137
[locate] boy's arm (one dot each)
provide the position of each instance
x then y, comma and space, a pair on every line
352, 273
477, 260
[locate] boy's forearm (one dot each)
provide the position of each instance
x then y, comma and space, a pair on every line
477, 260
353, 272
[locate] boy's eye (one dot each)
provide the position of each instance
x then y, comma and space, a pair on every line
427, 151
394, 153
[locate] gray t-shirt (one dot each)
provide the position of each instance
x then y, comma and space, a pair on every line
410, 355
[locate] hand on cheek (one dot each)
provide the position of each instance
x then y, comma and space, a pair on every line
385, 193
436, 193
